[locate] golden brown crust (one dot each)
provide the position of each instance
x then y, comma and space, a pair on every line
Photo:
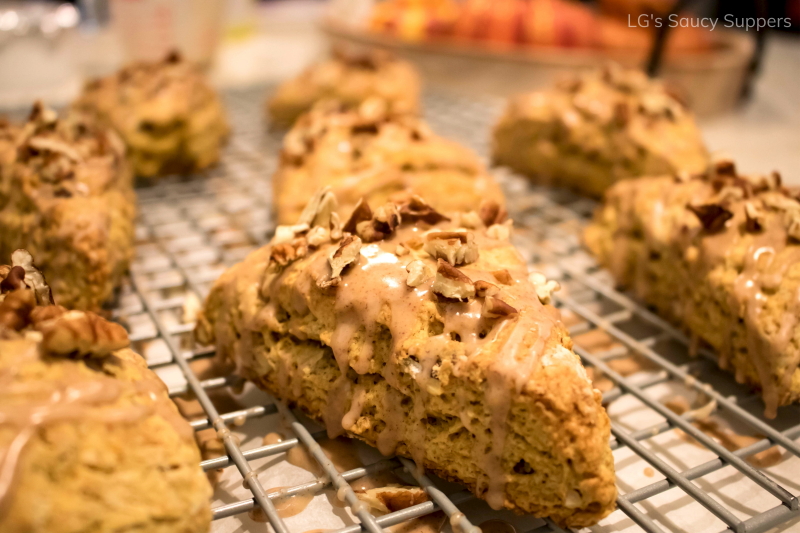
496, 402
372, 153
716, 254
350, 79
170, 118
66, 196
592, 131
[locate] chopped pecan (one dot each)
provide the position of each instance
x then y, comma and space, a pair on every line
417, 209
503, 276
387, 217
725, 167
470, 220
15, 310
457, 247
288, 233
500, 232
544, 288
319, 209
492, 213
318, 235
793, 225
33, 276
754, 217
361, 213
81, 334
496, 308
345, 254
418, 273
450, 282
484, 289
15, 279
50, 144
286, 252
712, 216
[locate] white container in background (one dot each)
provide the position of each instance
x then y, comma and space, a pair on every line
150, 29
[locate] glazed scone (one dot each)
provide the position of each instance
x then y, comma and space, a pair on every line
718, 253
351, 79
591, 131
66, 196
170, 118
89, 439
423, 336
373, 153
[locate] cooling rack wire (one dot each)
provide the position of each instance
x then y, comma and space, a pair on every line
188, 232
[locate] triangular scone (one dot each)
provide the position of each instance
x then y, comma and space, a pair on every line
371, 152
351, 79
89, 439
594, 130
423, 336
718, 253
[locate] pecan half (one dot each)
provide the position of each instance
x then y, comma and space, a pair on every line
712, 216
81, 334
496, 308
450, 282
725, 167
457, 247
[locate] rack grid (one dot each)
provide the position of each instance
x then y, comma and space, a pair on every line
189, 231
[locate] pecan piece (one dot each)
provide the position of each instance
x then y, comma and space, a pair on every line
33, 276
361, 213
712, 216
417, 209
450, 282
484, 289
15, 279
496, 308
345, 254
754, 217
318, 210
793, 226
457, 247
418, 273
503, 276
15, 310
544, 288
81, 334
492, 213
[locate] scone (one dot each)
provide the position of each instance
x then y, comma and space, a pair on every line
718, 253
170, 118
592, 131
351, 79
373, 153
66, 195
423, 336
89, 439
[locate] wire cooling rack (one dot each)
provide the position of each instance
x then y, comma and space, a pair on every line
671, 475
